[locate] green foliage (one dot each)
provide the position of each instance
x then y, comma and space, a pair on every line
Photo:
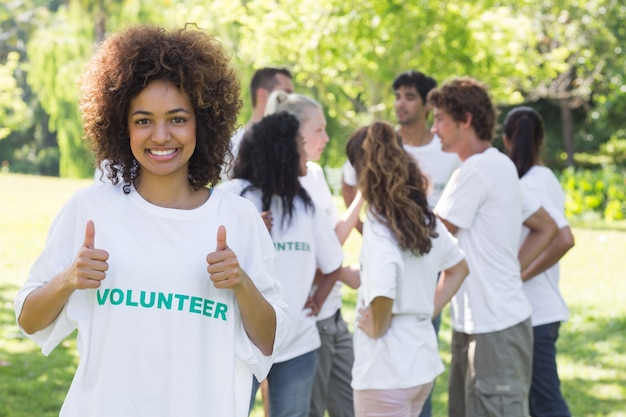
14, 112
595, 193
57, 56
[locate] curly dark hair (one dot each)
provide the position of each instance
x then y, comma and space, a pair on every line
393, 185
126, 63
466, 95
268, 158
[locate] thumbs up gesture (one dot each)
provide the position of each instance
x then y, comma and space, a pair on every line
223, 265
90, 265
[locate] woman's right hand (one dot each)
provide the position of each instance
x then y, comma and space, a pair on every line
90, 266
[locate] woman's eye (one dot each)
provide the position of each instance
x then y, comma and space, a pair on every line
179, 120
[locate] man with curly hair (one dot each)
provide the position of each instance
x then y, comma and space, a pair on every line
484, 207
174, 316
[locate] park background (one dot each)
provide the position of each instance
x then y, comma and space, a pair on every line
563, 57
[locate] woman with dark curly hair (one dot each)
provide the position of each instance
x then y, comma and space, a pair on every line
270, 162
173, 318
404, 248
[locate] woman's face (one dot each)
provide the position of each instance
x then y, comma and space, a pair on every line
303, 155
162, 128
314, 132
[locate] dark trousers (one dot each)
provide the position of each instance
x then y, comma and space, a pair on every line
545, 399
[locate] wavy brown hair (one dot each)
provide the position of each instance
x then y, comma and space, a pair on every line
393, 186
464, 95
126, 63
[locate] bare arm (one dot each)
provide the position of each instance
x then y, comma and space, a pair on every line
43, 305
349, 194
325, 283
350, 219
543, 230
452, 228
257, 314
449, 282
561, 244
375, 319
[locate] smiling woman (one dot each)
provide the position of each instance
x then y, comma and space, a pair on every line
162, 130
159, 108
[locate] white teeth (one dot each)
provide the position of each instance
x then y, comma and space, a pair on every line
162, 152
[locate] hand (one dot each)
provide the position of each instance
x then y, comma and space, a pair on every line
268, 219
312, 305
90, 265
223, 265
365, 321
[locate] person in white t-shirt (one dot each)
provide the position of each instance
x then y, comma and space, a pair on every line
331, 389
483, 205
271, 160
405, 247
170, 284
412, 110
523, 137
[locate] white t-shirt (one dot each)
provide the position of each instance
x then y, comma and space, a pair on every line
484, 200
308, 241
406, 355
543, 290
157, 338
434, 163
314, 182
235, 143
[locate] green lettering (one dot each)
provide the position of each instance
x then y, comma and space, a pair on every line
144, 303
129, 301
221, 311
102, 297
208, 307
120, 296
165, 300
181, 300
279, 246
194, 306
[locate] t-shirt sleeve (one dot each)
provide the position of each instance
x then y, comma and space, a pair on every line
349, 174
530, 204
58, 253
465, 192
257, 259
451, 252
328, 252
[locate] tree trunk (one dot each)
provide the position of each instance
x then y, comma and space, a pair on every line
567, 124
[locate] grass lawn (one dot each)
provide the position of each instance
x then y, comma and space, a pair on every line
592, 347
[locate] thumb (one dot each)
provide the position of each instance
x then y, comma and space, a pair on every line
90, 235
221, 239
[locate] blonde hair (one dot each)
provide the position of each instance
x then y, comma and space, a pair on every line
296, 104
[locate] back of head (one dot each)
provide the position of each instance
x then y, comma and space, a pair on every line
462, 96
296, 104
268, 158
392, 185
266, 78
422, 83
193, 61
523, 128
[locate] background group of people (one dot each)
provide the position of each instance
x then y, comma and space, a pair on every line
224, 293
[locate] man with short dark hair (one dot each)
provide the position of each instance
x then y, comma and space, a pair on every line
263, 83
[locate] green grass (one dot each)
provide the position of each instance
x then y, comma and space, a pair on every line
592, 347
